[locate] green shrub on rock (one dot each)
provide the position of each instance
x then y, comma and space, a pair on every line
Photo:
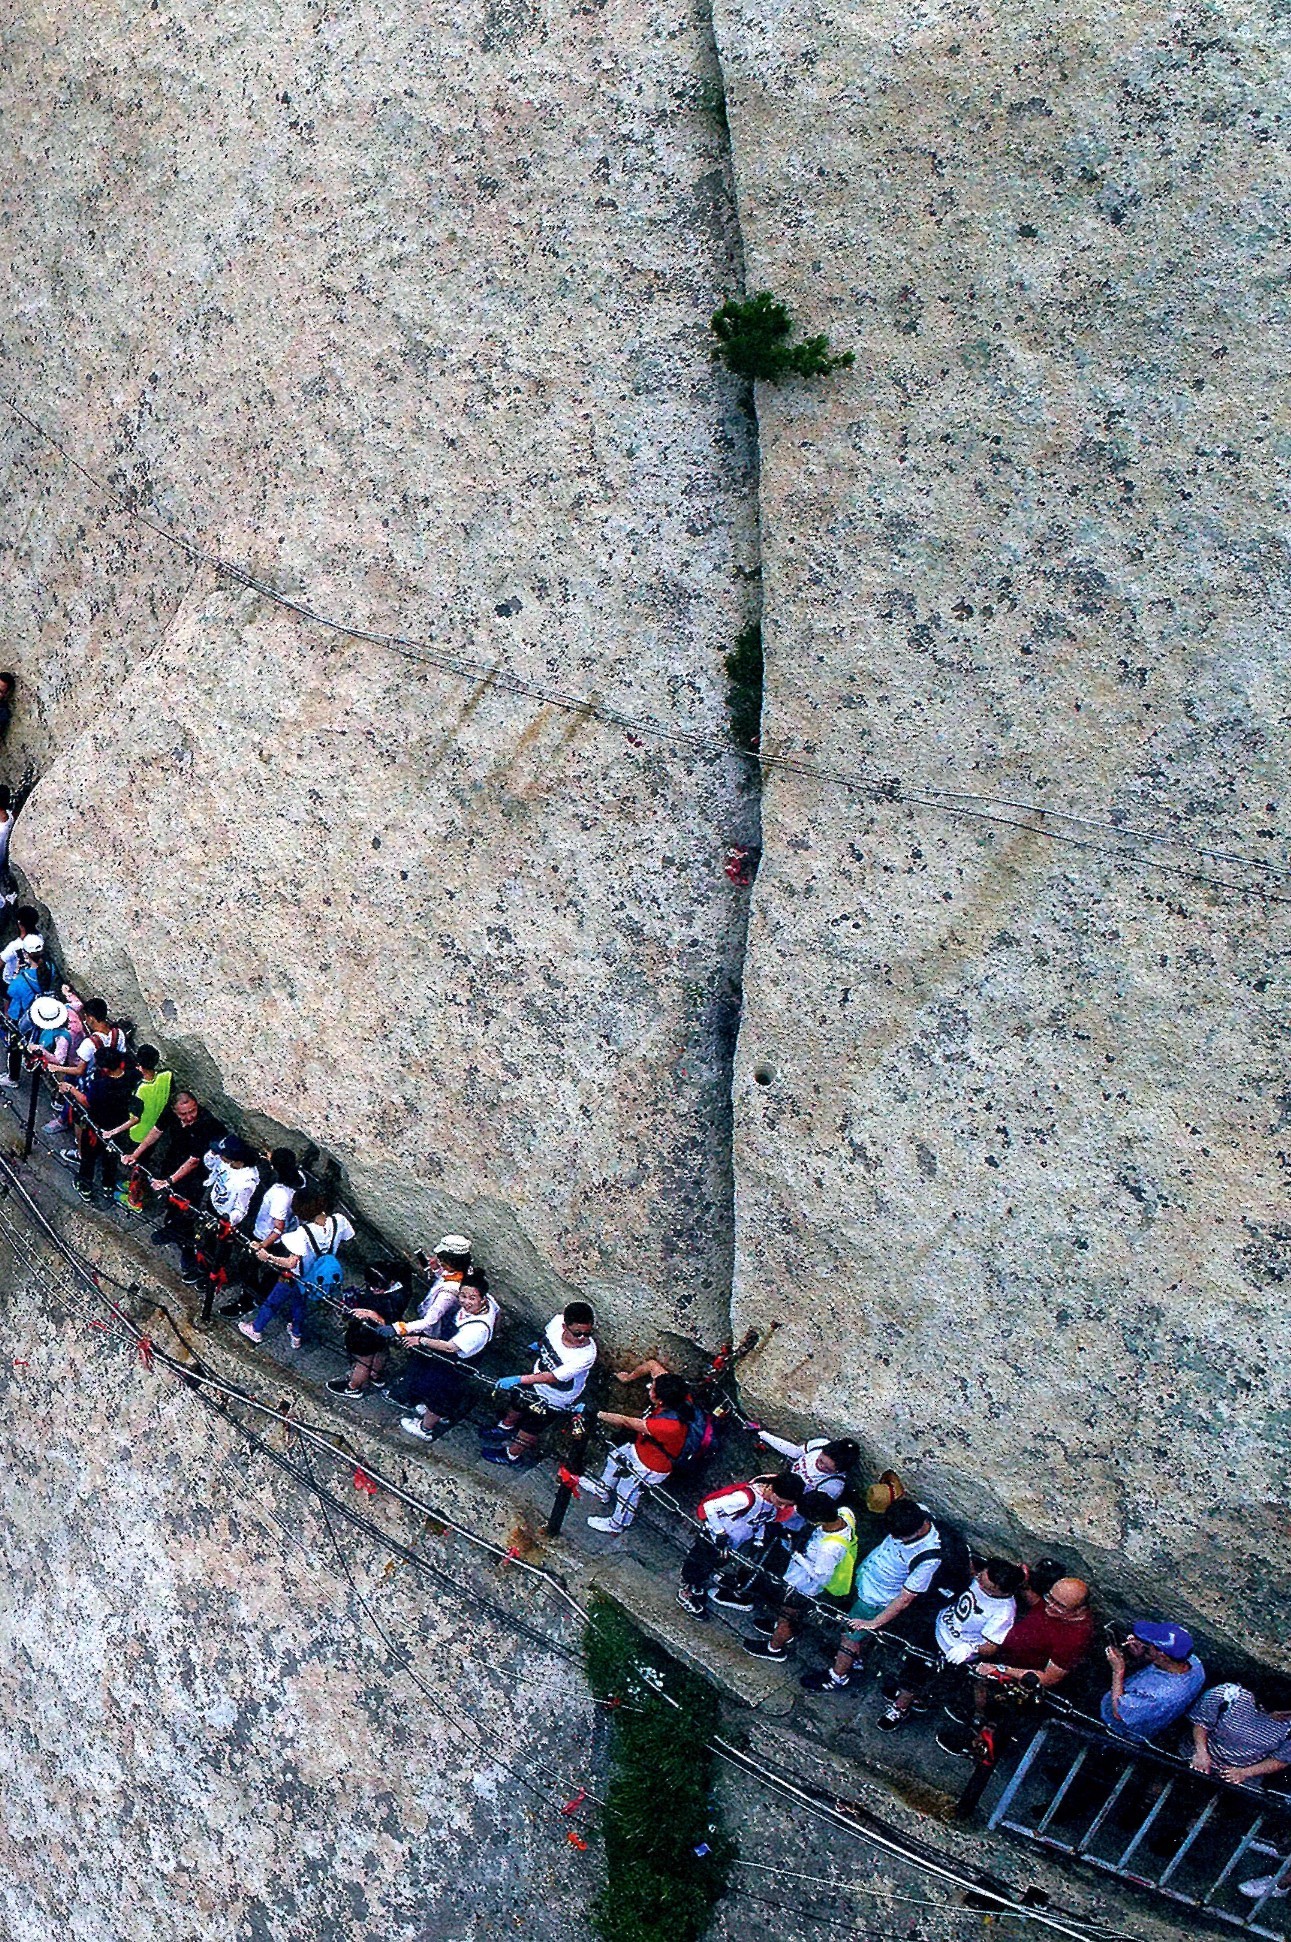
754, 339
667, 1860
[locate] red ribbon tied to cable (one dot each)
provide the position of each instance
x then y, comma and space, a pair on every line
362, 1481
145, 1351
572, 1805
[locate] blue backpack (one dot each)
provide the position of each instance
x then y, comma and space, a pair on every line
31, 982
322, 1274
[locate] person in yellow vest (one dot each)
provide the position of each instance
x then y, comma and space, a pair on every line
824, 1569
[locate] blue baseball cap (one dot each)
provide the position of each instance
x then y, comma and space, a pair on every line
1170, 1639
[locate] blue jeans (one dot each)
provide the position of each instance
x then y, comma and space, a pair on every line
290, 1295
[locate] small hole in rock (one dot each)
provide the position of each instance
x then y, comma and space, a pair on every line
762, 1075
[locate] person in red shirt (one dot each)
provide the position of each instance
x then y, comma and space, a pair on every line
658, 1439
1048, 1641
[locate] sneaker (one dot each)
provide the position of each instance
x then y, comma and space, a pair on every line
53, 1126
892, 1719
731, 1601
70, 1155
592, 1487
606, 1524
375, 1389
764, 1622
340, 1386
955, 1739
411, 1425
962, 1711
10, 1085
252, 1334
238, 1306
825, 1681
86, 1193
697, 1607
192, 1277
495, 1435
160, 1236
1261, 1885
441, 1428
297, 1341
763, 1649
501, 1455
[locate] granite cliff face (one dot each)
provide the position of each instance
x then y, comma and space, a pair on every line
405, 316
1019, 1147
407, 320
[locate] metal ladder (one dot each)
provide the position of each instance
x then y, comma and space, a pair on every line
1150, 1820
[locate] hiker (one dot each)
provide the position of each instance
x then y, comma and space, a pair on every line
232, 1177
385, 1292
1156, 1676
1045, 1645
447, 1267
6, 833
824, 1569
456, 1326
822, 1465
27, 918
1234, 1737
889, 1580
105, 1099
983, 1614
8, 687
315, 1238
34, 977
99, 1036
151, 1097
566, 1355
183, 1135
728, 1518
272, 1211
657, 1441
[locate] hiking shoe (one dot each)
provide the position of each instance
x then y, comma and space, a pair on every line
731, 1601
1262, 1885
607, 1525
892, 1719
252, 1334
825, 1681
697, 1607
411, 1425
763, 1649
955, 1739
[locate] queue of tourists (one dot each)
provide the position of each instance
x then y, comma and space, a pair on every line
780, 1550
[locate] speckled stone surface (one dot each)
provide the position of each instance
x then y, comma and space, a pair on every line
406, 313
1015, 1175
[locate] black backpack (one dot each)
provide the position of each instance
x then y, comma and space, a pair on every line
954, 1571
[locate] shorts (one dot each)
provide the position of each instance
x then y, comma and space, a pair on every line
861, 1609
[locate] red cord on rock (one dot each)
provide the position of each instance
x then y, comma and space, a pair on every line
145, 1351
576, 1841
362, 1481
572, 1806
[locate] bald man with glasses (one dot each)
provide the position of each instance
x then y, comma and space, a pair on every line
1048, 1641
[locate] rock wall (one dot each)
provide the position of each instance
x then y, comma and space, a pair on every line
1011, 1111
405, 314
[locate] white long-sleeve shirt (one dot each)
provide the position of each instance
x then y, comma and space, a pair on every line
732, 1515
804, 1462
472, 1333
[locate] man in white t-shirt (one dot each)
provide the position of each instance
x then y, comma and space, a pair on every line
232, 1177
566, 1355
316, 1232
889, 1579
982, 1614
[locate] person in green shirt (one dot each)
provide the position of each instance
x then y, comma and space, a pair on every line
151, 1097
